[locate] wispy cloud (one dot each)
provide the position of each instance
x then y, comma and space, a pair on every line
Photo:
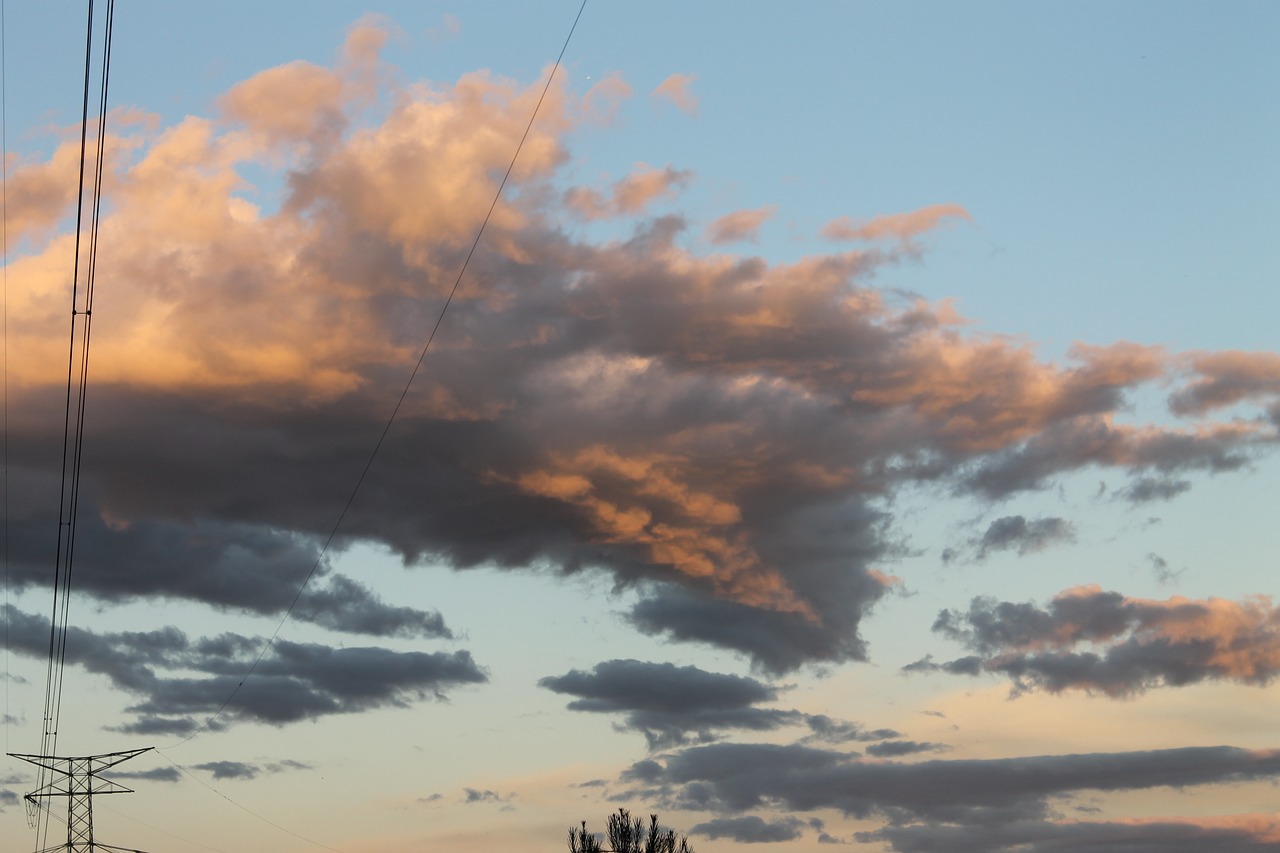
900, 227
629, 196
678, 90
739, 225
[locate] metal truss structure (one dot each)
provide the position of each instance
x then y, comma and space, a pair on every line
77, 779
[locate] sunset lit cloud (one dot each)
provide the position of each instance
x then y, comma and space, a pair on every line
877, 460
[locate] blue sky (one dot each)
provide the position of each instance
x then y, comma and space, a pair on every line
953, 466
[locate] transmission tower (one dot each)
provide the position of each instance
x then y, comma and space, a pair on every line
77, 779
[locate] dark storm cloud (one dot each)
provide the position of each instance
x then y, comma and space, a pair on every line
1100, 641
673, 705
712, 430
741, 777
750, 829
1016, 533
294, 681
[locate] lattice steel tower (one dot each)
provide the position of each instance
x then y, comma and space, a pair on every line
77, 779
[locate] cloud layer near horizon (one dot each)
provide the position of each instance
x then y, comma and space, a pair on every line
964, 804
716, 431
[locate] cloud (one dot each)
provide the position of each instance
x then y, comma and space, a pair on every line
1229, 834
739, 225
827, 730
243, 770
668, 704
156, 774
1160, 568
471, 796
295, 681
1226, 378
901, 227
8, 799
733, 778
1148, 489
898, 748
750, 829
229, 769
673, 705
722, 435
231, 565
448, 28
601, 102
676, 89
629, 196
1016, 533
1140, 643
345, 605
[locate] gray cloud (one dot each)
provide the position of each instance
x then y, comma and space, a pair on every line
673, 705
896, 748
1141, 643
750, 829
1155, 836
1016, 533
228, 564
156, 774
244, 770
740, 777
1149, 489
295, 681
827, 730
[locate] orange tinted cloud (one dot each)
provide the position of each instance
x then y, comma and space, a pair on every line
717, 430
646, 502
1100, 641
601, 102
893, 226
628, 196
1225, 378
739, 225
676, 89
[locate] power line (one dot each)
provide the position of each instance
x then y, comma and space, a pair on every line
4, 247
403, 393
245, 809
161, 831
74, 414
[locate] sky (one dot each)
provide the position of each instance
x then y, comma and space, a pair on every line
856, 426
